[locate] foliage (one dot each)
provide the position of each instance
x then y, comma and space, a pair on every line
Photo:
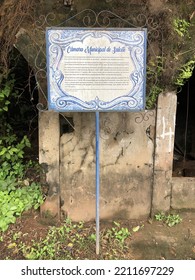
15, 197
4, 95
181, 26
154, 73
70, 239
118, 233
12, 150
170, 219
17, 200
12, 165
152, 96
155, 68
66, 238
185, 73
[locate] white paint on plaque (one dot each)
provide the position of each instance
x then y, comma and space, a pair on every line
96, 69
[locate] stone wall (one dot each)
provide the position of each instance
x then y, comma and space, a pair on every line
136, 158
183, 193
163, 156
126, 165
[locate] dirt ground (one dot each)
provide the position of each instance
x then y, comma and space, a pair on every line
153, 241
158, 241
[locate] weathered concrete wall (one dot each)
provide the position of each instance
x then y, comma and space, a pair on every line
163, 156
183, 193
136, 179
126, 165
49, 134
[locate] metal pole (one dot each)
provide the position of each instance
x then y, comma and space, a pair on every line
97, 183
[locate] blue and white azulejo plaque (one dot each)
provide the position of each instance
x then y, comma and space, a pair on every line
96, 69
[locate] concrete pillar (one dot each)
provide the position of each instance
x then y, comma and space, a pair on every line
163, 155
49, 136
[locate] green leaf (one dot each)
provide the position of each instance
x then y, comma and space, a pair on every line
5, 109
3, 151
13, 208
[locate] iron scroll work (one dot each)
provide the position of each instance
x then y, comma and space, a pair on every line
96, 69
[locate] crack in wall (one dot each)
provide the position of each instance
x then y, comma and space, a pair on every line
85, 156
70, 151
122, 152
119, 156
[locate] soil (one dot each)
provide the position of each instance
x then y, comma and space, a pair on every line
153, 241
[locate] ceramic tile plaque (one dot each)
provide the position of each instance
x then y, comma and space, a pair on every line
96, 69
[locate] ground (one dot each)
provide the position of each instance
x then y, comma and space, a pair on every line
149, 240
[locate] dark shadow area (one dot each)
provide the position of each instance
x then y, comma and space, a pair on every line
184, 146
66, 125
23, 113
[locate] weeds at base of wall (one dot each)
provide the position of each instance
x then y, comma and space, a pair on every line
169, 219
77, 241
36, 238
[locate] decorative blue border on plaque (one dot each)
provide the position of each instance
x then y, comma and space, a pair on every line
57, 42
